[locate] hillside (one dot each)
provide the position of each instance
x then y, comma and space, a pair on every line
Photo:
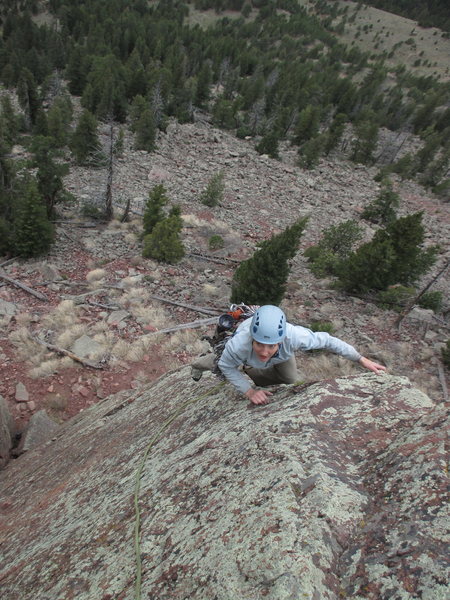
90, 261
96, 283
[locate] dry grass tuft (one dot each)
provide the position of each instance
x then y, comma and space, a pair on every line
192, 221
135, 352
186, 340
120, 349
136, 260
55, 405
133, 295
68, 336
46, 368
210, 290
23, 319
64, 316
96, 275
26, 348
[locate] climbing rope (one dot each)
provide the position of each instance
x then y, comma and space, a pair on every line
137, 486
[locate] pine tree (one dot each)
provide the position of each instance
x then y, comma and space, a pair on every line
269, 144
394, 256
263, 277
335, 133
308, 124
33, 232
50, 173
85, 144
28, 95
145, 132
365, 142
383, 209
213, 194
153, 212
164, 244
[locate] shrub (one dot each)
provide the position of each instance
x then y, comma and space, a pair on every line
382, 209
92, 211
213, 194
216, 242
326, 326
335, 245
395, 298
164, 244
431, 300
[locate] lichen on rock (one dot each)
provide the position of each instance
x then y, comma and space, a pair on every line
330, 491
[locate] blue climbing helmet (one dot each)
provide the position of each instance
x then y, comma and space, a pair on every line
268, 325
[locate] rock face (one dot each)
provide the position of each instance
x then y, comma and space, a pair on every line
7, 431
336, 490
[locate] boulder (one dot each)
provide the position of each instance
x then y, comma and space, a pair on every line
333, 490
40, 429
85, 346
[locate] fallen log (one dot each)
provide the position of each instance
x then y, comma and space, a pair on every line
24, 287
216, 259
64, 352
191, 325
206, 311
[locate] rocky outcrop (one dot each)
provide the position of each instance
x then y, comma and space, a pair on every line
7, 432
334, 490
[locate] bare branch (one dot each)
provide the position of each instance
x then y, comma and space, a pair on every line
24, 287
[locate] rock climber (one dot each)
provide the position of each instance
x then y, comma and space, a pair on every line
263, 348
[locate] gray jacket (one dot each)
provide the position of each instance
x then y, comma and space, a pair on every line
239, 351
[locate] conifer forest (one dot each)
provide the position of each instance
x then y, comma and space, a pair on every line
268, 70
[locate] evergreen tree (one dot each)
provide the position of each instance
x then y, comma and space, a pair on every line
163, 243
213, 194
307, 125
57, 127
50, 173
394, 256
85, 144
365, 142
383, 209
309, 152
269, 144
202, 91
335, 246
335, 133
8, 121
153, 212
28, 95
33, 232
145, 132
263, 277
138, 106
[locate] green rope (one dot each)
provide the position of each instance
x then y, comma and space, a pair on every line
137, 486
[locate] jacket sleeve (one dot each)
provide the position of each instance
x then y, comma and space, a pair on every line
305, 339
229, 364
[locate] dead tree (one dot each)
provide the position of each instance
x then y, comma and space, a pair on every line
109, 199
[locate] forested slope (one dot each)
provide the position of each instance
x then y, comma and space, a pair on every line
269, 70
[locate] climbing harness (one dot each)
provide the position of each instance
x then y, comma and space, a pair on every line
137, 485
